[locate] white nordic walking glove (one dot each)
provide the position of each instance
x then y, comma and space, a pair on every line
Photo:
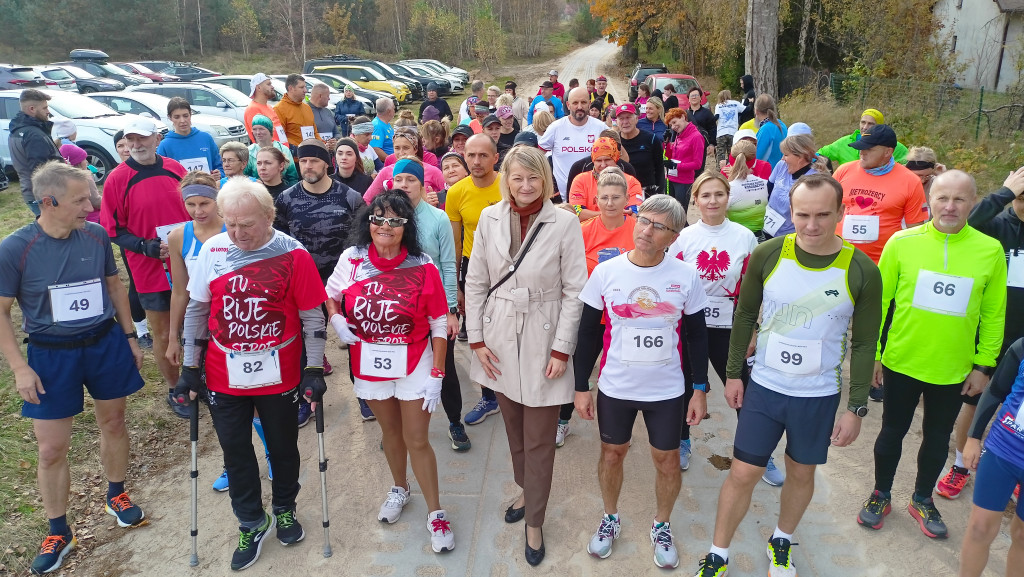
431, 392
341, 327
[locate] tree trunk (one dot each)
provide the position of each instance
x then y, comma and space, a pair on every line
199, 21
179, 8
805, 23
762, 45
302, 12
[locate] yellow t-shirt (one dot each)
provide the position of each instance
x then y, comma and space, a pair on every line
464, 204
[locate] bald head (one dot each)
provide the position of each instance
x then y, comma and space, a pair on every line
320, 96
951, 199
481, 141
956, 179
579, 105
481, 155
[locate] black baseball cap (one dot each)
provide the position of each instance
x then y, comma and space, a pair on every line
527, 138
878, 135
464, 130
491, 119
547, 84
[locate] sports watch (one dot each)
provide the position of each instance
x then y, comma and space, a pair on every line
861, 411
702, 387
454, 310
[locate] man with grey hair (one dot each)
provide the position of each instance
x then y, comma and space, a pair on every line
30, 141
257, 301
649, 302
319, 101
61, 271
382, 139
477, 88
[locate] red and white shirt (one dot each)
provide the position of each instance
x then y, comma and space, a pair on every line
255, 298
720, 254
389, 301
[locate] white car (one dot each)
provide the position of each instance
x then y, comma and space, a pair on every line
206, 97
240, 82
154, 106
97, 124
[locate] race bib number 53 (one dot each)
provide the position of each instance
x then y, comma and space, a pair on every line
383, 360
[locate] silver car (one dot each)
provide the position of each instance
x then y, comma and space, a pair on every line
154, 106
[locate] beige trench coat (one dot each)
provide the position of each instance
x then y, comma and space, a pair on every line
535, 311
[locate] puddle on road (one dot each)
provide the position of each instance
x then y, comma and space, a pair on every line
719, 462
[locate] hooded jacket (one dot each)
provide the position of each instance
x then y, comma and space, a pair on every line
189, 149
992, 217
30, 145
341, 111
747, 82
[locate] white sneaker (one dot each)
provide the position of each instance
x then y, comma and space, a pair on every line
600, 545
441, 536
391, 510
665, 554
560, 434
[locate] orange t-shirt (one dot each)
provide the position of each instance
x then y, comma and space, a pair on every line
896, 199
583, 191
602, 244
255, 108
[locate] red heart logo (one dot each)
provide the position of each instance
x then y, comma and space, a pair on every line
864, 201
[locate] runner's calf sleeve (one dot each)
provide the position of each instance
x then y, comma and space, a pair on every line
314, 334
196, 327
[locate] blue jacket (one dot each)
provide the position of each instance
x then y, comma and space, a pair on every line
343, 109
197, 144
769, 137
31, 146
559, 111
658, 128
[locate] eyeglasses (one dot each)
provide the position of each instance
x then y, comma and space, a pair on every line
392, 221
604, 199
644, 222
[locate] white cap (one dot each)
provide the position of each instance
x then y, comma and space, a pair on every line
63, 128
257, 79
141, 126
744, 133
553, 73
541, 105
798, 128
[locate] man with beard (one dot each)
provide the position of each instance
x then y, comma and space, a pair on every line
30, 141
317, 212
261, 90
140, 225
571, 138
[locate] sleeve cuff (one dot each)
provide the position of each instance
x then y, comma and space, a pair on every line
479, 345
560, 356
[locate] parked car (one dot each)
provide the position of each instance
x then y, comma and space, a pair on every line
339, 83
154, 106
97, 124
57, 77
681, 82
13, 76
454, 69
143, 71
640, 73
413, 86
458, 83
86, 82
206, 97
240, 82
338, 94
96, 62
188, 72
444, 86
368, 78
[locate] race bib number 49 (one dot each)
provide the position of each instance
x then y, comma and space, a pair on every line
942, 293
76, 301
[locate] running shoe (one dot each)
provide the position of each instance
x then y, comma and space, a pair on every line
665, 554
875, 394
328, 369
772, 475
305, 412
928, 517
712, 566
953, 483
872, 515
457, 435
684, 455
441, 536
128, 514
250, 542
561, 432
221, 483
52, 553
289, 530
600, 545
365, 412
182, 410
391, 510
146, 342
462, 336
482, 410
780, 559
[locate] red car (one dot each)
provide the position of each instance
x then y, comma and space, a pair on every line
681, 82
143, 71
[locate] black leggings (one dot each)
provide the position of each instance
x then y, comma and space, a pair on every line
487, 393
138, 313
718, 354
900, 399
451, 389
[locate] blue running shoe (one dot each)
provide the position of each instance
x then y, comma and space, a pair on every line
482, 410
221, 484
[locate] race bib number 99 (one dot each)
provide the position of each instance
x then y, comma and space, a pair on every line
793, 356
942, 293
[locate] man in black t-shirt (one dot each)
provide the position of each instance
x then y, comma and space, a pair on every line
646, 152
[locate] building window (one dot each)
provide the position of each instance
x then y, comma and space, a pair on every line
954, 44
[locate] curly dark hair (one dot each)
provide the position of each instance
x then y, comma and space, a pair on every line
398, 202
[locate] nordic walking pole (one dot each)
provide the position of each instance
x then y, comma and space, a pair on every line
323, 477
194, 474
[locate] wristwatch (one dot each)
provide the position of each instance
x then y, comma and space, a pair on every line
987, 371
861, 411
702, 387
454, 310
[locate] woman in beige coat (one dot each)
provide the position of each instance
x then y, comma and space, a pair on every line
524, 331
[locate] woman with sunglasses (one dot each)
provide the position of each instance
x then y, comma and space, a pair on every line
387, 302
923, 162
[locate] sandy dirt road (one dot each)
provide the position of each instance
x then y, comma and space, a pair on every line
477, 486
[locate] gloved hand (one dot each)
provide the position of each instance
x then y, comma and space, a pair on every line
313, 384
431, 392
151, 247
341, 327
669, 163
190, 381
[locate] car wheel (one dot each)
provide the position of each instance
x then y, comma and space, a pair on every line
88, 89
99, 158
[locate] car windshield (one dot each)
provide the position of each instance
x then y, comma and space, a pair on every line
371, 74
111, 69
682, 85
22, 73
233, 96
79, 107
57, 74
330, 81
79, 73
142, 69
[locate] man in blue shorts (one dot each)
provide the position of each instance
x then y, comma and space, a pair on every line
61, 271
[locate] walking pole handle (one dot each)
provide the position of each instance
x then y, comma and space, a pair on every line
319, 416
193, 430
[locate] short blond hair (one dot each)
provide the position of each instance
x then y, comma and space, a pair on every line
240, 150
541, 121
52, 178
239, 189
533, 160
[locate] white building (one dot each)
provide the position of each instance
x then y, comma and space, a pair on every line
987, 37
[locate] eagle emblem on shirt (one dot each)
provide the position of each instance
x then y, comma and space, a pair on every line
712, 265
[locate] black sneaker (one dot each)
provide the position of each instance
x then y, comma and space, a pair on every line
128, 514
875, 394
712, 566
52, 553
462, 336
305, 412
289, 531
249, 544
146, 342
780, 558
928, 517
180, 409
458, 436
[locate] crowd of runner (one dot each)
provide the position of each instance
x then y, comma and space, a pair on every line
549, 233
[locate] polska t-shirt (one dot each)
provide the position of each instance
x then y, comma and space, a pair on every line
644, 307
567, 144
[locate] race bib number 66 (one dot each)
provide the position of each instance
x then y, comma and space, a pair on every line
942, 293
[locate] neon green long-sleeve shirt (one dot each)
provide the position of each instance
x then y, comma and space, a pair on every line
927, 274
840, 152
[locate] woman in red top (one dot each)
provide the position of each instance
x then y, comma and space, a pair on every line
386, 300
685, 155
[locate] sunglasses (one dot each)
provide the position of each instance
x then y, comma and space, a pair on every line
392, 221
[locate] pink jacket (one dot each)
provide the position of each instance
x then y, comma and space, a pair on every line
688, 149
